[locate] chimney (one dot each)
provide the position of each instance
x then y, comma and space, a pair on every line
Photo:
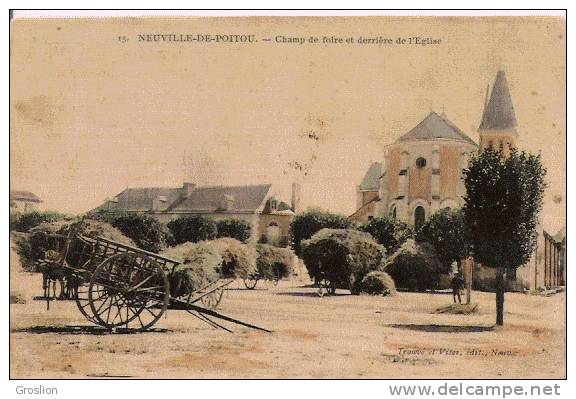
295, 197
187, 189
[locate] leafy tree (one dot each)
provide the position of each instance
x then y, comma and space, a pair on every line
147, 232
25, 221
503, 200
238, 229
192, 229
305, 225
388, 232
446, 232
342, 256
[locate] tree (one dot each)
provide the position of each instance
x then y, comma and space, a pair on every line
192, 229
342, 256
238, 229
305, 225
147, 232
388, 232
502, 204
446, 232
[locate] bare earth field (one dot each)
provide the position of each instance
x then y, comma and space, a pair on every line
343, 336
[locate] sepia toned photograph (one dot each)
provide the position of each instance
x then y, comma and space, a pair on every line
287, 197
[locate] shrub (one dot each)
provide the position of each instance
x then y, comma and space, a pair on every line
23, 222
238, 259
200, 266
273, 263
238, 229
378, 283
388, 232
146, 232
414, 266
342, 256
192, 229
305, 225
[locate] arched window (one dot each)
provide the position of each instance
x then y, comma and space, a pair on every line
421, 162
392, 212
419, 217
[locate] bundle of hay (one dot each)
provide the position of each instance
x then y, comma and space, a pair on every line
238, 259
342, 256
378, 283
414, 266
200, 266
274, 263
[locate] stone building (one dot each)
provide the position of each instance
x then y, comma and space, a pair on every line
269, 217
23, 201
420, 173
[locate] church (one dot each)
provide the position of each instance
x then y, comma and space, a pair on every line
421, 171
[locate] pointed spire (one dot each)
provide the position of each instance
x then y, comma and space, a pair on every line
499, 111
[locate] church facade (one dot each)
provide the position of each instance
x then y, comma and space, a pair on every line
421, 171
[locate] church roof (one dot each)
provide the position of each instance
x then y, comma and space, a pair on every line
371, 179
499, 111
434, 127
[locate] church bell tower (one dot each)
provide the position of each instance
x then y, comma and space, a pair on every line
498, 127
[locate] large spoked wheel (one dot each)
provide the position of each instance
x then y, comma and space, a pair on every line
128, 288
250, 283
83, 301
326, 287
213, 299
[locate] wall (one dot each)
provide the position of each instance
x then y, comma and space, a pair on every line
24, 206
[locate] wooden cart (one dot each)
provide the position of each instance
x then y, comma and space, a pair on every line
120, 286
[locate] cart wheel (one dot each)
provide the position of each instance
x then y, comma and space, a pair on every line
212, 300
82, 300
128, 288
250, 283
275, 282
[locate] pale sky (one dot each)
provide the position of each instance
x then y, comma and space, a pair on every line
91, 115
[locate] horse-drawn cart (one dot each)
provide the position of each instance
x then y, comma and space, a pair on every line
119, 286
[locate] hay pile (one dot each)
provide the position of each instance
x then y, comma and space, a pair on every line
274, 263
200, 266
238, 259
34, 245
378, 283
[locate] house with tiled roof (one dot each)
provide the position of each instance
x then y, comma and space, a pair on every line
257, 204
23, 201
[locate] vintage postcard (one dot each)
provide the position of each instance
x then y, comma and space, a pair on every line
287, 197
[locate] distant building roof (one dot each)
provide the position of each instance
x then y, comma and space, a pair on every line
371, 179
17, 195
208, 198
435, 127
499, 111
198, 199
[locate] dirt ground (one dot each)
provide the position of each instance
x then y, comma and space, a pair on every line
343, 336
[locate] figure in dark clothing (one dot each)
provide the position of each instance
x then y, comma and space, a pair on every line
457, 286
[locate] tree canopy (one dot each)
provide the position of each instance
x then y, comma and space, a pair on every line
389, 232
503, 200
446, 231
305, 225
